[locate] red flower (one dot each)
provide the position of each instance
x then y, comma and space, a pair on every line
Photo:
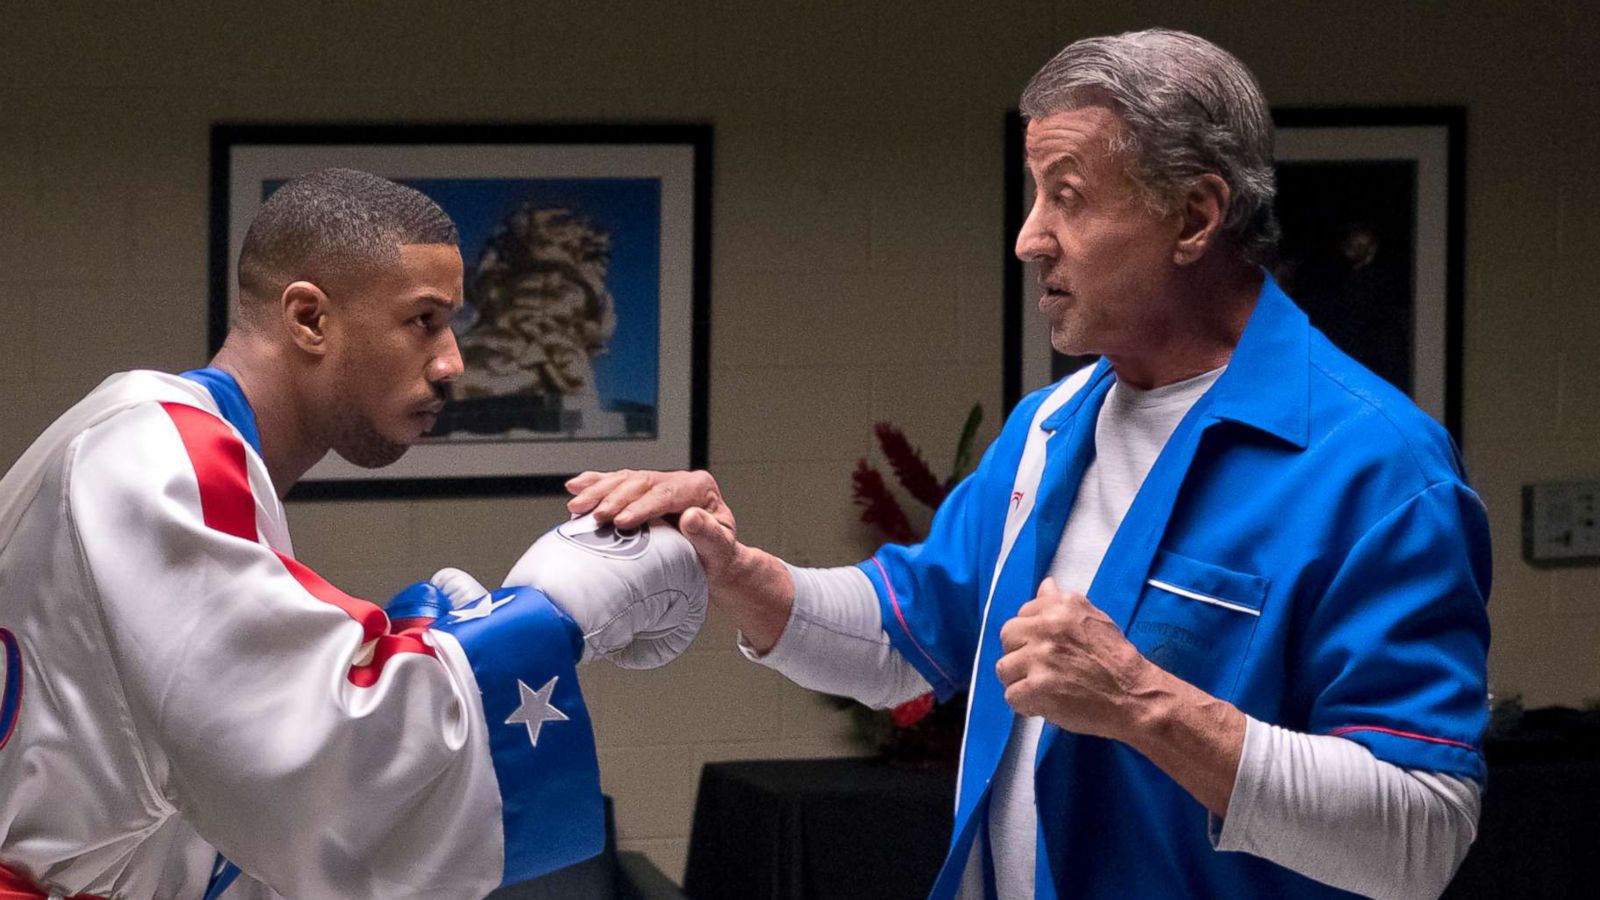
911, 712
878, 506
909, 466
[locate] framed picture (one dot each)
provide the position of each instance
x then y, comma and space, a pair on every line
1371, 205
585, 330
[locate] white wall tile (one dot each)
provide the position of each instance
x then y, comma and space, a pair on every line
716, 695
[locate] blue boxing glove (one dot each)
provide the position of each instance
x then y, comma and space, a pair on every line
421, 603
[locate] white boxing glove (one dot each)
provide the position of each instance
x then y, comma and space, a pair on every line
460, 587
638, 595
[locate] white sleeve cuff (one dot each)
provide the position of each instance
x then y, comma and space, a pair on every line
834, 641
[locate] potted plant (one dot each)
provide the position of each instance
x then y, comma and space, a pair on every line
920, 731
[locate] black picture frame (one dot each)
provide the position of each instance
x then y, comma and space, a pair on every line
1374, 168
642, 189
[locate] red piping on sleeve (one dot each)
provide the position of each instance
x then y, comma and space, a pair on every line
894, 602
1339, 732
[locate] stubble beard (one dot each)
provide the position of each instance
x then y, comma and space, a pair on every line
1066, 319
1067, 334
359, 442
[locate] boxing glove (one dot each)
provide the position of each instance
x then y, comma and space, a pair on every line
460, 587
638, 595
417, 606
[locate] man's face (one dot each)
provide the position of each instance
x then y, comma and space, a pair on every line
1104, 255
392, 355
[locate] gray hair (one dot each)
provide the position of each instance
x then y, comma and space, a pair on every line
1190, 107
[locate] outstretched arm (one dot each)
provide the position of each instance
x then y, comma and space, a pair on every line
750, 584
820, 627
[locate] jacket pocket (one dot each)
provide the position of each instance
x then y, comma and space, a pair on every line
1196, 620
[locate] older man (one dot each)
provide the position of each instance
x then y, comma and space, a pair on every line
1223, 591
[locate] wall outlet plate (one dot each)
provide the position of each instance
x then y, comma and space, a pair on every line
1561, 523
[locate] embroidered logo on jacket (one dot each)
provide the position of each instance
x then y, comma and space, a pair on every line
10, 684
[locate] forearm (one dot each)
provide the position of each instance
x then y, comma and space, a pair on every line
834, 641
1327, 808
1194, 737
756, 590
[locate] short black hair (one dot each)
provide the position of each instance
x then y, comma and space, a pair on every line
333, 223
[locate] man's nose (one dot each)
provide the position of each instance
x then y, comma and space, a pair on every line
1033, 240
448, 365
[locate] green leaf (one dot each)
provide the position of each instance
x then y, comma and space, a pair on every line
969, 433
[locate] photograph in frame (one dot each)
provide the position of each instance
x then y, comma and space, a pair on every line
585, 325
1370, 203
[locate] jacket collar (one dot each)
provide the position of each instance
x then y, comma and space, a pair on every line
230, 401
1266, 385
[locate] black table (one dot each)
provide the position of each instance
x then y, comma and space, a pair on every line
830, 829
1539, 832
837, 829
609, 876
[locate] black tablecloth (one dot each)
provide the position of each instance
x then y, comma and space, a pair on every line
1539, 833
837, 829
830, 829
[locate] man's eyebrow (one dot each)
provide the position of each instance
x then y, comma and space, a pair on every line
444, 303
1065, 161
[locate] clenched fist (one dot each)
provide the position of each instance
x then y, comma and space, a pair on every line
1067, 661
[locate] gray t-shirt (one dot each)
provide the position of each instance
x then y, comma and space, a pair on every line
1133, 427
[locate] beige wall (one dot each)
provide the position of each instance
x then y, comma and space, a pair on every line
856, 256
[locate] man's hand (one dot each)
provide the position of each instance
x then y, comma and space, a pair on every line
632, 497
753, 585
629, 498
1067, 661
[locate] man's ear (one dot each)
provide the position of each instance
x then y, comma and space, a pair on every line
304, 308
1202, 207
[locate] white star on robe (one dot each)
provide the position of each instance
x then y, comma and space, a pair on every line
536, 709
479, 610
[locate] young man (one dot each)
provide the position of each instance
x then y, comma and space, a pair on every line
182, 700
1223, 591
